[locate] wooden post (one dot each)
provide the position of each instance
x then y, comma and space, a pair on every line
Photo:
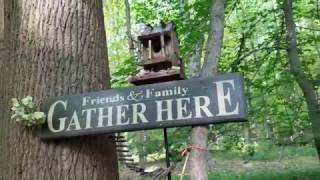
166, 145
150, 49
162, 44
140, 55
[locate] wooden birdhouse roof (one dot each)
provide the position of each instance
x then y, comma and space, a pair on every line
150, 32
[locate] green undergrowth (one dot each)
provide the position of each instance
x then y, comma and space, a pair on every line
276, 162
270, 154
285, 152
288, 174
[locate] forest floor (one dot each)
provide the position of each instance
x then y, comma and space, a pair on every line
288, 163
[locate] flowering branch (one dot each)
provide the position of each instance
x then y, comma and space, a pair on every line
24, 112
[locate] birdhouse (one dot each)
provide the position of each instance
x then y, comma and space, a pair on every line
159, 55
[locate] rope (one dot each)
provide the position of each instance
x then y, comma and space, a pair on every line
192, 147
186, 152
184, 166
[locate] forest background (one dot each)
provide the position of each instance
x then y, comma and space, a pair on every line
255, 45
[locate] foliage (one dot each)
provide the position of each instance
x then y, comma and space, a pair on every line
254, 45
24, 112
248, 148
122, 73
121, 65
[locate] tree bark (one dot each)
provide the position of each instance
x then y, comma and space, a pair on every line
53, 48
305, 84
1, 19
199, 137
4, 114
215, 39
128, 24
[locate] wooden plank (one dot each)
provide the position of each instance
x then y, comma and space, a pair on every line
125, 155
121, 145
122, 151
126, 159
170, 104
120, 141
116, 137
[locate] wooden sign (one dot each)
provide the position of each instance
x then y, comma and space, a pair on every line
171, 104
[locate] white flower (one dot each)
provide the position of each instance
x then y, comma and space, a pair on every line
38, 115
18, 119
13, 116
26, 116
27, 101
15, 102
13, 109
24, 112
19, 111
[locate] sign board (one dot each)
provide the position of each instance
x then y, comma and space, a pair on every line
177, 103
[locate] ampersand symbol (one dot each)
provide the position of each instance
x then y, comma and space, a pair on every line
133, 96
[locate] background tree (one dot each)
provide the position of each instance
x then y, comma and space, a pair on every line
52, 48
199, 137
306, 85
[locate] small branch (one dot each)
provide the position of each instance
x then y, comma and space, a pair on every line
234, 6
254, 51
308, 28
236, 63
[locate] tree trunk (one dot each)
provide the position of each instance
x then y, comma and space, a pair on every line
215, 39
305, 84
55, 48
141, 135
1, 19
128, 24
3, 57
199, 137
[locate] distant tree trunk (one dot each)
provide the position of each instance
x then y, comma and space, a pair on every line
268, 129
55, 48
305, 84
215, 39
194, 64
141, 135
195, 55
199, 137
128, 24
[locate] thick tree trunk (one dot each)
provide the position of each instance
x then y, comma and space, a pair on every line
4, 109
56, 48
1, 19
305, 84
198, 158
